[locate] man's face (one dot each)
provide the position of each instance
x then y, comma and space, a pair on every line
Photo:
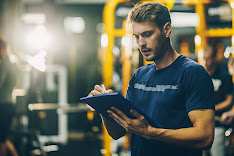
207, 60
151, 41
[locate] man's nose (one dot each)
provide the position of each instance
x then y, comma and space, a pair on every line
141, 42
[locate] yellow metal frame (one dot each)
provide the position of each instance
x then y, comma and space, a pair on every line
202, 30
108, 67
109, 21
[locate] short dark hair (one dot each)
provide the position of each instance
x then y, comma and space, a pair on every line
150, 11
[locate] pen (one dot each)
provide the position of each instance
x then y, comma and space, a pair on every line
103, 87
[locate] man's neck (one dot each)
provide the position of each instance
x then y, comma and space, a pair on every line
211, 71
170, 56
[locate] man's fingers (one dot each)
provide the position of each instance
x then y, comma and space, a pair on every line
117, 118
94, 92
114, 115
98, 88
109, 91
136, 114
102, 90
120, 113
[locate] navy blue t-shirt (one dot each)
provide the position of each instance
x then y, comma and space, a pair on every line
223, 86
167, 96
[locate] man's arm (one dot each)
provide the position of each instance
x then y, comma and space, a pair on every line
112, 129
200, 136
225, 104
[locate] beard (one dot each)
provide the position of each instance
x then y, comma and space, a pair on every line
159, 50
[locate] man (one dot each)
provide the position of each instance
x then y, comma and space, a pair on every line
227, 118
174, 91
222, 98
8, 75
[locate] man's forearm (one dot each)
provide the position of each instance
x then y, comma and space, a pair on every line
192, 137
112, 129
200, 136
225, 104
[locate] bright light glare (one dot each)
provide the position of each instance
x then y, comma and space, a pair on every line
228, 132
30, 107
116, 51
50, 148
104, 40
34, 18
184, 19
226, 54
103, 151
197, 40
228, 51
39, 38
126, 40
200, 54
74, 24
232, 4
18, 92
38, 61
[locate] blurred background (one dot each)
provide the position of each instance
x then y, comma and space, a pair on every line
64, 47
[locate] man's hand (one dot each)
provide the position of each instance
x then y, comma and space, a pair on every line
200, 136
99, 90
112, 129
138, 126
227, 118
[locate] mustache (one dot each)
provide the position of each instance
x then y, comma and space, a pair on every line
143, 49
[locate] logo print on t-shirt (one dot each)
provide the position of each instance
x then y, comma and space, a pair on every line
217, 83
158, 88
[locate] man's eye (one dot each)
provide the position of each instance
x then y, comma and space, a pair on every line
147, 34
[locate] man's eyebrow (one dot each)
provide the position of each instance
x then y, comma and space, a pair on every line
148, 31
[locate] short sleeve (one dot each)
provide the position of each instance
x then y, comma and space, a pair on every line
130, 91
198, 89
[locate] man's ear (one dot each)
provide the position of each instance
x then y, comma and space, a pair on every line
167, 29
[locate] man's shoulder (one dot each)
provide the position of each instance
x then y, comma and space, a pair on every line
191, 69
191, 65
145, 69
189, 62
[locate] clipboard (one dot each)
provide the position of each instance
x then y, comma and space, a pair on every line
102, 103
